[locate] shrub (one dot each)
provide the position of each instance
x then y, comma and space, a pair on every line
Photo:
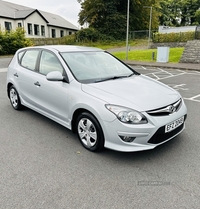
68, 40
91, 35
87, 34
11, 41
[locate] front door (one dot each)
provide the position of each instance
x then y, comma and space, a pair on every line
51, 96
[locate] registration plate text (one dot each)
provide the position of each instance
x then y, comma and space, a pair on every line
173, 125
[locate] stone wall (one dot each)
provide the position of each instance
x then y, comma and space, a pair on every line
191, 53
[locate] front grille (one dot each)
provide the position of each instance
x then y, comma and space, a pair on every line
167, 110
160, 135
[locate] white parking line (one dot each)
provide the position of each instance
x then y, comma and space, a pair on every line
180, 87
172, 76
165, 71
195, 97
157, 75
194, 100
144, 68
154, 74
194, 73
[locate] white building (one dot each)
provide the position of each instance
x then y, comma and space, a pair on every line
167, 29
37, 24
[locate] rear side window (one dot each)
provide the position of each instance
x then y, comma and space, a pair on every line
20, 54
29, 59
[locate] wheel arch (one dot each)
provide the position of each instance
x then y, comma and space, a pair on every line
8, 87
100, 140
77, 113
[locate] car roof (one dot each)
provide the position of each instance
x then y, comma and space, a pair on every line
67, 48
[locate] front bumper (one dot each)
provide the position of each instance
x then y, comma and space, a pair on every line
146, 136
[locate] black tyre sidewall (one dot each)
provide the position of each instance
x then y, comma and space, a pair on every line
19, 106
100, 136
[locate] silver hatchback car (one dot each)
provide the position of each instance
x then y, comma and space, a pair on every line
97, 96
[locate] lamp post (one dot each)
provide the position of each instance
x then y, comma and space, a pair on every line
127, 31
150, 20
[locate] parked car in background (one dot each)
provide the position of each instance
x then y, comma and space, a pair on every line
97, 96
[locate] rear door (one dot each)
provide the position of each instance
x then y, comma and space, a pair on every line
25, 75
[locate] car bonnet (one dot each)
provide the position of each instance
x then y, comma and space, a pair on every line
137, 92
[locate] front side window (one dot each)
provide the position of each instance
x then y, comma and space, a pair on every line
49, 63
8, 26
19, 24
29, 59
36, 30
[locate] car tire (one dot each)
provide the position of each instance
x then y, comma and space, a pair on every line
89, 132
14, 98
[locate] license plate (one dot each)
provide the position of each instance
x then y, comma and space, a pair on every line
173, 125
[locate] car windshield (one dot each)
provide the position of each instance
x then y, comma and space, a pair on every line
90, 67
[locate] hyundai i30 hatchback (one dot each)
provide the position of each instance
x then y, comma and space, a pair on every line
100, 98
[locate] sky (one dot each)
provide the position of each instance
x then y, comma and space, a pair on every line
67, 9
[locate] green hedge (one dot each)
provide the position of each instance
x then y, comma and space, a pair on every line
66, 40
11, 41
92, 35
173, 37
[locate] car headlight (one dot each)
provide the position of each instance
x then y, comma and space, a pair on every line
127, 115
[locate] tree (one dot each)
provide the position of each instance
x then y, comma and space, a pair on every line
197, 16
170, 12
178, 12
188, 9
110, 17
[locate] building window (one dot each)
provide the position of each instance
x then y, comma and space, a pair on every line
36, 30
53, 31
19, 24
8, 26
70, 33
61, 33
30, 29
42, 30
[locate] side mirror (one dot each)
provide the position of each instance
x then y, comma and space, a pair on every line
54, 76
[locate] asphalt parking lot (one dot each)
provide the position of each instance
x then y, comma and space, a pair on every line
43, 165
186, 82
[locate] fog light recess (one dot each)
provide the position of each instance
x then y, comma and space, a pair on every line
127, 139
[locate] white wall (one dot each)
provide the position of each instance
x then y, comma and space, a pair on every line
35, 19
166, 29
2, 23
66, 31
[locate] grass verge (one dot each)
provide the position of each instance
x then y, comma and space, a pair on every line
146, 55
114, 44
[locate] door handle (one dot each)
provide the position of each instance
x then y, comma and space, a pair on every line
16, 75
37, 83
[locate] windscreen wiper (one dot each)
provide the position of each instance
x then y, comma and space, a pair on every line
113, 78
